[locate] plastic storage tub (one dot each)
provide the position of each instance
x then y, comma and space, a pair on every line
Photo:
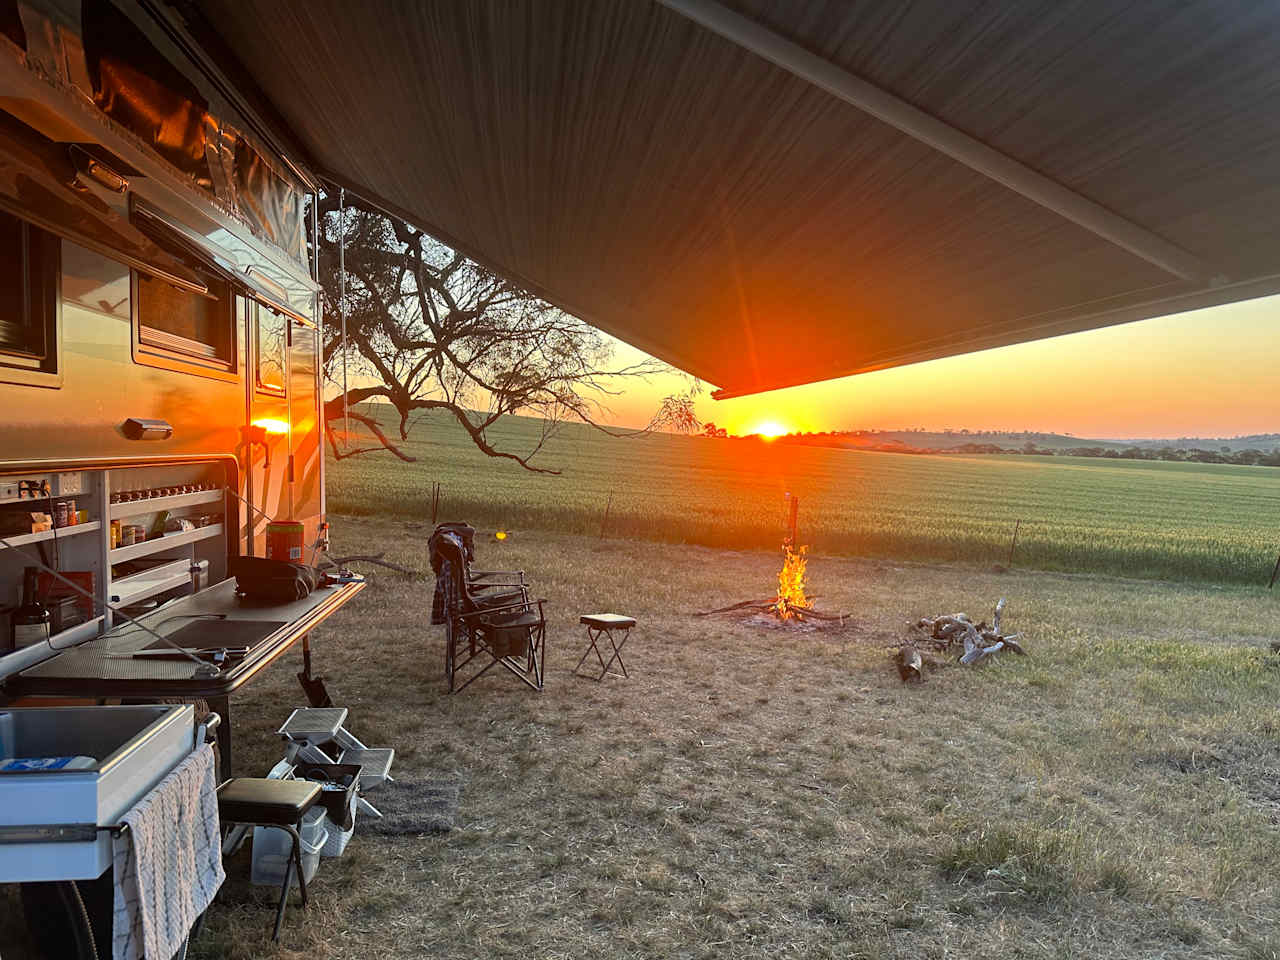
338, 838
271, 847
339, 783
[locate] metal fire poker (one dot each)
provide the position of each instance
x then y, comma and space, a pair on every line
790, 542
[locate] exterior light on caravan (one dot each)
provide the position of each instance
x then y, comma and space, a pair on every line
144, 428
90, 166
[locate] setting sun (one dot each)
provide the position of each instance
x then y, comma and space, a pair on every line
771, 429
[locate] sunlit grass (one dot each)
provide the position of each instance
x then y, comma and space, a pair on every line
1133, 518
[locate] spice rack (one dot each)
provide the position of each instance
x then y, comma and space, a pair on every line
24, 539
147, 583
70, 546
144, 493
136, 508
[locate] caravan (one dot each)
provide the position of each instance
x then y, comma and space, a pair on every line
160, 355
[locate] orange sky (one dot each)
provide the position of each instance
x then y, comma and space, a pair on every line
1208, 373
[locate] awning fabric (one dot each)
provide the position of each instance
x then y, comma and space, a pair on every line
712, 207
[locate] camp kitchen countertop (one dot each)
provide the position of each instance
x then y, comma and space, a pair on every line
86, 670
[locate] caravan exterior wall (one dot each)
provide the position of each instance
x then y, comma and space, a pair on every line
108, 372
159, 329
102, 386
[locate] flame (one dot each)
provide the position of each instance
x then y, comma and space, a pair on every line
791, 599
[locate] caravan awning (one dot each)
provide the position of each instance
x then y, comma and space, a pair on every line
771, 192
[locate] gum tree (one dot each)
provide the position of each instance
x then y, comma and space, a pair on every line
429, 329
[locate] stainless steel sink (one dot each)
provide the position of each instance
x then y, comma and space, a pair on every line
48, 818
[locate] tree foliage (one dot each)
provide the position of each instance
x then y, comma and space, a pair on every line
430, 329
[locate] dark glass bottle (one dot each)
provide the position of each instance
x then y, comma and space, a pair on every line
30, 621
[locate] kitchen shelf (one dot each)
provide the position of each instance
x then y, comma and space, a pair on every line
137, 508
22, 539
147, 583
148, 547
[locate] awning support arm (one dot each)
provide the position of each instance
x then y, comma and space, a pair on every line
342, 301
946, 139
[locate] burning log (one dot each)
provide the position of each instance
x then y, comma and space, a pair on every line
791, 602
977, 641
772, 606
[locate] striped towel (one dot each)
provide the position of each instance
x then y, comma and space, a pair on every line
168, 864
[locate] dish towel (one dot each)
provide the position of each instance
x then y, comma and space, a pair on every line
168, 864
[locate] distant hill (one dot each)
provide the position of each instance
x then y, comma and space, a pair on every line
934, 440
1253, 450
951, 439
1256, 441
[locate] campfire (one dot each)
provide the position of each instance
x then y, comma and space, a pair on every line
791, 601
791, 605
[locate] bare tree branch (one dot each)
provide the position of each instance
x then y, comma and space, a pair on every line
373, 428
428, 329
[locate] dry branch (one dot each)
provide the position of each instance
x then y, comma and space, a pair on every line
955, 631
764, 606
910, 664
376, 558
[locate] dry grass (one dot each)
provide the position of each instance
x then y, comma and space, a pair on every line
757, 793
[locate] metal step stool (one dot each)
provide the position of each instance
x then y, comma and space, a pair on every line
314, 725
375, 763
309, 727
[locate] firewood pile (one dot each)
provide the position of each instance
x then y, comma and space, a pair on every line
954, 633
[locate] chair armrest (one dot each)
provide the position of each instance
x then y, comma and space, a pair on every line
489, 611
498, 598
503, 608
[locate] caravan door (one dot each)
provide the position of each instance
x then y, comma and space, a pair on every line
269, 430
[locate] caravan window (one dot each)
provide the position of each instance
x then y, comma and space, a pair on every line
271, 334
28, 296
188, 325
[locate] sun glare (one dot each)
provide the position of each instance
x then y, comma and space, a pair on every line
771, 429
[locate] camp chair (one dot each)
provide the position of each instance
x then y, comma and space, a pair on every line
485, 582
492, 623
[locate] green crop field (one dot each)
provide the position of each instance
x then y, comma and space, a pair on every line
1182, 521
